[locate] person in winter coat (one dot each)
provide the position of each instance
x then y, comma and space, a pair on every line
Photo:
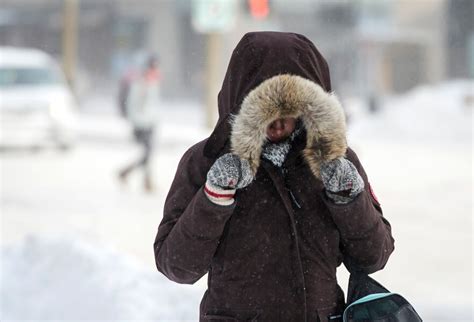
141, 104
273, 201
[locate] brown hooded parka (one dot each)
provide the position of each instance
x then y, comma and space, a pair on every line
273, 254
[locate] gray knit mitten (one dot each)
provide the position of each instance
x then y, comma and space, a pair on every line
342, 180
227, 174
276, 152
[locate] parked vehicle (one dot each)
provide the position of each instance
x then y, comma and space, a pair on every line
37, 107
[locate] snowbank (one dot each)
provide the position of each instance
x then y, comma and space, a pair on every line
67, 279
427, 114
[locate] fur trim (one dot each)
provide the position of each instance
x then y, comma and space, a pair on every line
290, 96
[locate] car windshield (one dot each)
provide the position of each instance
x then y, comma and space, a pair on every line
13, 76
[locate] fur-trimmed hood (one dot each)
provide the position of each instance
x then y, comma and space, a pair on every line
290, 96
272, 75
258, 57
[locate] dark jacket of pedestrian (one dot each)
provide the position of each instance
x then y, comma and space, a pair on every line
271, 246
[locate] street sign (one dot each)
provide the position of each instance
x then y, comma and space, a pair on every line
214, 16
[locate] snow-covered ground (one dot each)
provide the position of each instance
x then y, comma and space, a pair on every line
77, 245
66, 279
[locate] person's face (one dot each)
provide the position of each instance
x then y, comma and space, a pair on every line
152, 64
280, 129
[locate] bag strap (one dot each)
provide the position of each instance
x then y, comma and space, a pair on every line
360, 285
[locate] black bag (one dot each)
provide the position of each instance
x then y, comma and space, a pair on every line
369, 301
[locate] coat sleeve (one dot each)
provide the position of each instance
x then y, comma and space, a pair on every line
366, 236
190, 230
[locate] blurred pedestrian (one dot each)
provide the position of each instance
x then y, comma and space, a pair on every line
274, 200
139, 95
374, 103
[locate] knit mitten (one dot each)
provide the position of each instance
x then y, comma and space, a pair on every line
276, 152
227, 174
342, 180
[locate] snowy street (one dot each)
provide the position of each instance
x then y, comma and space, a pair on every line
77, 243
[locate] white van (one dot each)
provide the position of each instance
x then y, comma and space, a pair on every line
37, 107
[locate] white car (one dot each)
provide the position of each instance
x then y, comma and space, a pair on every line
37, 107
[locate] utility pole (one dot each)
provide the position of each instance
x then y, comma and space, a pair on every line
213, 54
213, 18
69, 39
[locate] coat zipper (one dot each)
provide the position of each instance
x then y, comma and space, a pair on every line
284, 171
293, 198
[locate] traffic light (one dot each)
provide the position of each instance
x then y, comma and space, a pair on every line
259, 9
